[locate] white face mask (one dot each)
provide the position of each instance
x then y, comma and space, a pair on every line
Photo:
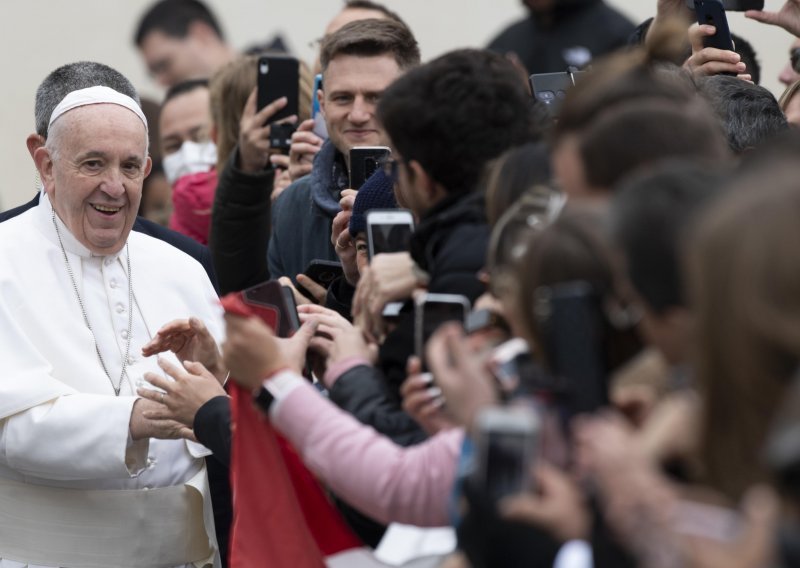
192, 158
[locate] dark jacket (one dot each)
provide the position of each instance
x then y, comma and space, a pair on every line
576, 32
191, 247
303, 214
450, 244
240, 226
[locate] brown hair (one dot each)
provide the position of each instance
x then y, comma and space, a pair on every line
229, 89
788, 95
744, 278
368, 38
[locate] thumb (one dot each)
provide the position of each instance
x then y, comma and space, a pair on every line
306, 332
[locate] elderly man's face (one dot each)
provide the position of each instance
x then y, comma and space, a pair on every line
94, 178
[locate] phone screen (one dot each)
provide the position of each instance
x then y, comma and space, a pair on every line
387, 238
508, 457
430, 315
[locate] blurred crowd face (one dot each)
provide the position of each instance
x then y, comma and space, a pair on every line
352, 87
351, 15
568, 168
171, 60
186, 117
788, 74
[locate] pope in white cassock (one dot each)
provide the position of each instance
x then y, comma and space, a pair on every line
83, 480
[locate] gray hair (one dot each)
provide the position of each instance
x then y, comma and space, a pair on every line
71, 77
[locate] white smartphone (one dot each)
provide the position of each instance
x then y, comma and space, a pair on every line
506, 446
389, 230
431, 311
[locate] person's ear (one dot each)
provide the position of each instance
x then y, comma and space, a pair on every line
148, 166
321, 101
44, 164
34, 142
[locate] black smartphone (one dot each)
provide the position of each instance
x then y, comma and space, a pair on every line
571, 323
550, 89
506, 445
431, 311
389, 230
323, 272
270, 301
736, 5
365, 161
712, 12
279, 76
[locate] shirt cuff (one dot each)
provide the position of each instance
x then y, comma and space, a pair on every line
335, 371
281, 386
574, 554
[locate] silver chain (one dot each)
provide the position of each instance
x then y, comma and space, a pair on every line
118, 387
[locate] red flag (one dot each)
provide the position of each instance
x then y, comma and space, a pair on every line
282, 516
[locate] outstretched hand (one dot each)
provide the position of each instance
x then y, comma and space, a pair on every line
709, 60
788, 17
190, 340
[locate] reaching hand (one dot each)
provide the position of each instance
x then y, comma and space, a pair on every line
190, 340
305, 145
142, 427
254, 147
191, 388
337, 339
422, 400
282, 178
558, 505
389, 277
342, 240
788, 17
709, 60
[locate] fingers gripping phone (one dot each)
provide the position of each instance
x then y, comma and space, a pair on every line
389, 230
712, 13
431, 311
323, 272
365, 161
275, 306
506, 446
279, 76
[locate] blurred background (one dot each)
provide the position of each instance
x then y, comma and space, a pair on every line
36, 37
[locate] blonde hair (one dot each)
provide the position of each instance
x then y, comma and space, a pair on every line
229, 89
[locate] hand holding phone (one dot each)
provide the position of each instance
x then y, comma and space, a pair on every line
431, 311
389, 230
279, 76
712, 13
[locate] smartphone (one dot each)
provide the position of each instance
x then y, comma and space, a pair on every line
504, 366
323, 272
320, 128
365, 161
571, 322
389, 230
485, 320
712, 12
736, 5
278, 76
269, 300
550, 89
431, 311
506, 442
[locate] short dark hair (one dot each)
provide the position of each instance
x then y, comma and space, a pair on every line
644, 133
374, 6
456, 113
650, 214
750, 115
184, 87
72, 77
173, 18
371, 37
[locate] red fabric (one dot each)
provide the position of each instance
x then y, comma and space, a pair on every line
282, 517
192, 200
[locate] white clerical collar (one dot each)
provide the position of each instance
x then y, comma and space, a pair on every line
71, 243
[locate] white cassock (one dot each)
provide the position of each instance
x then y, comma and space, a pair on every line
75, 491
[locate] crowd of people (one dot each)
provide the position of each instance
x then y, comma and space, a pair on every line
621, 385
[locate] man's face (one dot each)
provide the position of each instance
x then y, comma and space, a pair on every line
185, 117
171, 60
95, 180
352, 87
788, 74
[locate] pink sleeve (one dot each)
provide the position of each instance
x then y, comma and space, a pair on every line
388, 482
338, 369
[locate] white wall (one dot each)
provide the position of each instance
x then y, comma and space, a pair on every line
36, 36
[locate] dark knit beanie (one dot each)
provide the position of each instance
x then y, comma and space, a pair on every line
376, 193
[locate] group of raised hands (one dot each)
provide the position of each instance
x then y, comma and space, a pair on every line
711, 61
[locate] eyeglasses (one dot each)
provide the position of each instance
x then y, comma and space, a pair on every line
794, 57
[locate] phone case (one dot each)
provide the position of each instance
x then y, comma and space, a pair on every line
279, 76
267, 301
364, 162
712, 12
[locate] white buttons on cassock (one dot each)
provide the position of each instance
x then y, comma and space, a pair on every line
120, 309
124, 334
112, 283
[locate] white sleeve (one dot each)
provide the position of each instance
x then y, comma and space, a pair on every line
78, 436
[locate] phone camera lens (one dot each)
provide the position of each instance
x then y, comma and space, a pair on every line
263, 68
546, 96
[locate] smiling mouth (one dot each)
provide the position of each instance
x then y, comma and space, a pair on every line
106, 210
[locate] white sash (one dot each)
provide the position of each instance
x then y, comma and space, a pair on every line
155, 528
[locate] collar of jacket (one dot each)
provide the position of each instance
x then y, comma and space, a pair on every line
456, 209
328, 178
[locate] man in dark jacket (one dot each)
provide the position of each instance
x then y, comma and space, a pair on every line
358, 62
558, 34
